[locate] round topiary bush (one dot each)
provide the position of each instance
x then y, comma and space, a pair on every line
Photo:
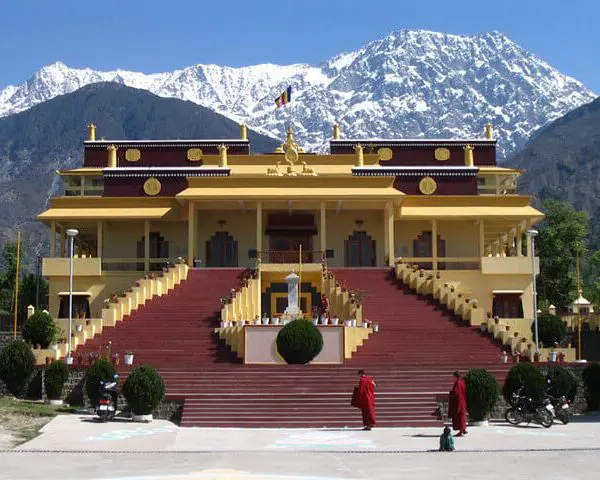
562, 382
55, 378
17, 363
39, 329
591, 378
551, 329
144, 389
482, 393
299, 342
99, 371
528, 377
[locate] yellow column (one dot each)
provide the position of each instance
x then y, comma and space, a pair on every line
191, 233
390, 231
82, 186
100, 233
52, 239
481, 239
519, 240
386, 236
259, 229
434, 244
146, 245
323, 228
63, 241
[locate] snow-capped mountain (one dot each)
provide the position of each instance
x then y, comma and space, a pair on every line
409, 84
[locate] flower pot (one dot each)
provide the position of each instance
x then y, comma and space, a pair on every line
483, 327
222, 324
335, 321
116, 361
536, 357
516, 334
241, 323
128, 359
353, 322
79, 328
325, 321
142, 418
315, 321
265, 320
508, 328
274, 321
365, 324
496, 321
347, 323
69, 360
375, 327
552, 356
504, 357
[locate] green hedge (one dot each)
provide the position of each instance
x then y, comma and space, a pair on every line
562, 382
17, 363
144, 389
39, 329
591, 378
482, 393
100, 370
299, 342
527, 376
55, 377
551, 329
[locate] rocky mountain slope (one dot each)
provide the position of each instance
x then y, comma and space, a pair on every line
408, 84
48, 137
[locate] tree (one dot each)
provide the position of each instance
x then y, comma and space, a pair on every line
562, 233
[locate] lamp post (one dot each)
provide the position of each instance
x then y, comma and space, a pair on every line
71, 233
531, 234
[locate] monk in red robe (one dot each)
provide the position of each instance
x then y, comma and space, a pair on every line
457, 405
324, 305
363, 397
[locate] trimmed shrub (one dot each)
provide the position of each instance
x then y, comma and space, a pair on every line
55, 377
144, 389
551, 329
299, 342
17, 363
39, 329
482, 393
99, 371
528, 377
591, 378
562, 382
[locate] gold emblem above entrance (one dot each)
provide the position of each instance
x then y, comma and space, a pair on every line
385, 154
132, 155
427, 186
442, 154
194, 154
152, 186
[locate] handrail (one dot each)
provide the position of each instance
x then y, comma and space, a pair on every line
291, 256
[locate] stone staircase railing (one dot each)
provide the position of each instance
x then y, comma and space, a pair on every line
143, 290
245, 305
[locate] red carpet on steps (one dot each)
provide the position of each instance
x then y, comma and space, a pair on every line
412, 358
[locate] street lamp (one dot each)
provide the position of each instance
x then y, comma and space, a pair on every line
531, 234
71, 233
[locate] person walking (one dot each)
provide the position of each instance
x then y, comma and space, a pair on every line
363, 398
457, 405
324, 306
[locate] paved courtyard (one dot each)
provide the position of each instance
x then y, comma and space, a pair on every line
77, 447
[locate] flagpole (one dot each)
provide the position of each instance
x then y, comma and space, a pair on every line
300, 276
16, 312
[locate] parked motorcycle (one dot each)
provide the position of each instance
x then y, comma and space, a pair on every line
561, 405
107, 404
525, 410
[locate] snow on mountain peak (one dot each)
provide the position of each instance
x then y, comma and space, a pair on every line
412, 83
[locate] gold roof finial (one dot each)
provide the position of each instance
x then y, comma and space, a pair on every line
489, 131
92, 132
336, 131
469, 162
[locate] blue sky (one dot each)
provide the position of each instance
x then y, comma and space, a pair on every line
154, 36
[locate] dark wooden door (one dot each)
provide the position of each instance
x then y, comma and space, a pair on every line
286, 248
423, 247
222, 250
359, 250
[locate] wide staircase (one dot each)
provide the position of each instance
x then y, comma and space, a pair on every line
412, 358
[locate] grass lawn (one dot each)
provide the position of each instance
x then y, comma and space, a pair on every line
21, 420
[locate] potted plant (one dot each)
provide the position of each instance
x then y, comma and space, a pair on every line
335, 320
504, 357
561, 357
116, 359
315, 321
482, 395
536, 357
69, 359
375, 327
55, 378
508, 328
128, 357
324, 320
497, 320
516, 334
144, 389
483, 327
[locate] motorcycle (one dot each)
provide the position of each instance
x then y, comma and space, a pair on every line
561, 407
525, 410
107, 404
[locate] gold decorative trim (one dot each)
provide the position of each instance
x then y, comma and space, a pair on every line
152, 186
132, 155
194, 154
427, 186
442, 154
385, 154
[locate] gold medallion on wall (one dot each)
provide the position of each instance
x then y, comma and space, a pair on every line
442, 154
385, 154
152, 186
194, 154
132, 155
427, 186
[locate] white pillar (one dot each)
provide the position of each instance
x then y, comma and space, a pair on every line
434, 244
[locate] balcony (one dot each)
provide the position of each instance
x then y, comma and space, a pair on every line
508, 265
82, 267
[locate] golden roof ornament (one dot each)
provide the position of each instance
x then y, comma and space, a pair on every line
291, 152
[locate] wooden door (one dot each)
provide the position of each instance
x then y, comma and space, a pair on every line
359, 250
222, 250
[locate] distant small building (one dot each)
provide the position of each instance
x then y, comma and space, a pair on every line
580, 305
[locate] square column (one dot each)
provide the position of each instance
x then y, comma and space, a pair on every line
390, 233
481, 239
259, 230
63, 241
100, 233
191, 233
323, 228
519, 240
52, 239
434, 244
146, 245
